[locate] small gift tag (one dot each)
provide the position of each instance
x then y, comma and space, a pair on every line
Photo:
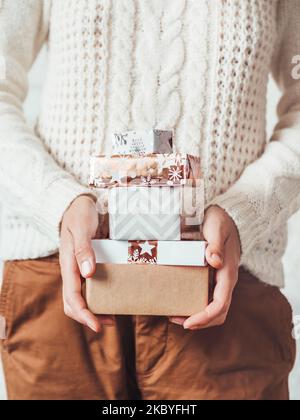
2, 328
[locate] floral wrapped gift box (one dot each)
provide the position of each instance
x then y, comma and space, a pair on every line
149, 170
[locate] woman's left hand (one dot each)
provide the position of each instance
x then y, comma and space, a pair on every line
223, 253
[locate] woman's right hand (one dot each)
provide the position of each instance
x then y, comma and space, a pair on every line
77, 260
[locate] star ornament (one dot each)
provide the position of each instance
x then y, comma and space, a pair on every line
146, 248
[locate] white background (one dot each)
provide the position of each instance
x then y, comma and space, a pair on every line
291, 259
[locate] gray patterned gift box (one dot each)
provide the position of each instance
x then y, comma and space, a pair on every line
142, 142
137, 213
144, 227
163, 227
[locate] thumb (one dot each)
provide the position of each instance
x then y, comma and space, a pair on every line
214, 234
84, 254
215, 254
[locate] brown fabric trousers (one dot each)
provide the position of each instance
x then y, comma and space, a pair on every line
48, 356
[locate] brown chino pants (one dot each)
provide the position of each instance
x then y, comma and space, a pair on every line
48, 356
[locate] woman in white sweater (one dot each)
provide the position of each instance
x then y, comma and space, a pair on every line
198, 67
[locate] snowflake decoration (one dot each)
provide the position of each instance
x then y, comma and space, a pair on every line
144, 260
175, 173
133, 259
148, 181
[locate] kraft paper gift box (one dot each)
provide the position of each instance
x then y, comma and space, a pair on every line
142, 142
148, 171
164, 213
179, 253
148, 290
139, 288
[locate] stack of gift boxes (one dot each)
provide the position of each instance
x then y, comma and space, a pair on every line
154, 200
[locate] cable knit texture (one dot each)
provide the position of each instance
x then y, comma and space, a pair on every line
199, 67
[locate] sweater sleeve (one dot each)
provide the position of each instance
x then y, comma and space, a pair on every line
31, 182
268, 192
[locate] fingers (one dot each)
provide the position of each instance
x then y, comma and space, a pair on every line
79, 225
216, 313
81, 221
178, 320
216, 232
214, 254
223, 254
84, 253
74, 304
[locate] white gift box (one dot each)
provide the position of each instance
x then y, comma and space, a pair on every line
142, 142
169, 253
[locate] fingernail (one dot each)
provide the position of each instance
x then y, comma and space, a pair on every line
86, 268
177, 321
92, 327
217, 257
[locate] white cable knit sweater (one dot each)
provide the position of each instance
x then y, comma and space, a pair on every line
199, 67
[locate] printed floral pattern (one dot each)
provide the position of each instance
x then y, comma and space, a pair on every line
142, 252
148, 181
149, 170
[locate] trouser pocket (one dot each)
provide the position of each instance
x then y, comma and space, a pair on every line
6, 300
